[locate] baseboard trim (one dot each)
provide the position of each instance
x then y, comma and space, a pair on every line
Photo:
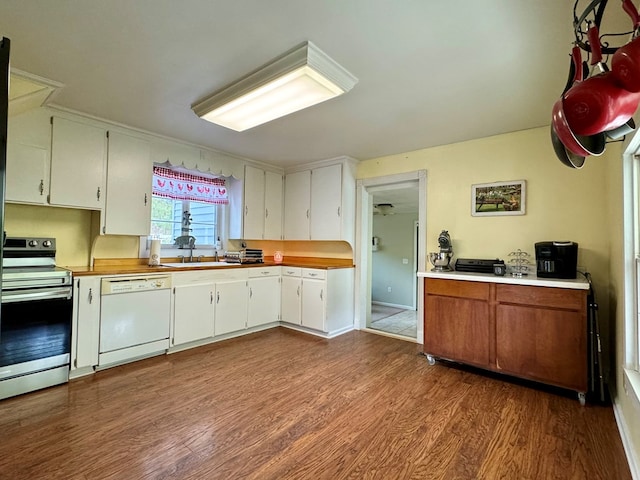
394, 305
628, 446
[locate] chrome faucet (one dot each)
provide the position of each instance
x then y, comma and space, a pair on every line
186, 241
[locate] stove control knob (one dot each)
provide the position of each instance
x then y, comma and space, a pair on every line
46, 243
33, 243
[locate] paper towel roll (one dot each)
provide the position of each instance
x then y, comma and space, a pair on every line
154, 253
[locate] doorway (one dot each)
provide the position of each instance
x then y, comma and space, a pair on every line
390, 250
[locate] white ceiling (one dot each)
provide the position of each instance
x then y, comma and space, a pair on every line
431, 72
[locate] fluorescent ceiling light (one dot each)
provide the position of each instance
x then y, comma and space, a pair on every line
300, 78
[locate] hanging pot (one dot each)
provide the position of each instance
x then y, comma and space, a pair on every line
625, 62
581, 145
599, 103
570, 159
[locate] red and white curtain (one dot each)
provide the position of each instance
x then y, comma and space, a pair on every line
169, 183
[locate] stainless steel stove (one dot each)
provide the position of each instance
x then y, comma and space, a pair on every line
35, 321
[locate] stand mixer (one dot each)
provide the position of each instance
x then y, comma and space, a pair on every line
440, 260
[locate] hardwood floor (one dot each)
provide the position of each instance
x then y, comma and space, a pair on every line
284, 405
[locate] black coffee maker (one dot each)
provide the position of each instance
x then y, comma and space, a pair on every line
556, 259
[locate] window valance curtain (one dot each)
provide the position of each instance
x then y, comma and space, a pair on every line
169, 183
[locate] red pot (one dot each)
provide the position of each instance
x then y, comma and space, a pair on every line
625, 65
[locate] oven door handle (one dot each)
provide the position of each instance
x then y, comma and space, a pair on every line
12, 296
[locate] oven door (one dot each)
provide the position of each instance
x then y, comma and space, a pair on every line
35, 330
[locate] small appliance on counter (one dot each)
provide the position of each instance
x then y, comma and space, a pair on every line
557, 259
477, 265
247, 255
440, 260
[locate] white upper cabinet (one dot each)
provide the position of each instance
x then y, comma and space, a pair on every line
262, 204
297, 205
320, 203
78, 154
28, 157
254, 212
273, 201
129, 178
326, 203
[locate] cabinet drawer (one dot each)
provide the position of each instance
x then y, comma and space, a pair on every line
291, 271
565, 298
457, 288
314, 273
264, 272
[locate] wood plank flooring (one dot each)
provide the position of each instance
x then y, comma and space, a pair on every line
284, 405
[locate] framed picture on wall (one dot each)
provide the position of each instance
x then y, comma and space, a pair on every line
498, 198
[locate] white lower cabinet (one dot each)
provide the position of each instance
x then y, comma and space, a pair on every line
85, 333
192, 313
291, 297
264, 296
323, 298
231, 306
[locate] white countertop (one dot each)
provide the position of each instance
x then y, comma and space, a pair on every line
579, 283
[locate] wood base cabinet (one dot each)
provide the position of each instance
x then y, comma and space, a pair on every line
531, 332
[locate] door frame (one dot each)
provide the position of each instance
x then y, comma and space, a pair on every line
364, 232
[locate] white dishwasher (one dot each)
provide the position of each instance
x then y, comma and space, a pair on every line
135, 318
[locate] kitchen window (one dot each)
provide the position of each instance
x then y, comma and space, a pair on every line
186, 203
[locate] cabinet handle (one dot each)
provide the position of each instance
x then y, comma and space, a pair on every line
211, 301
246, 210
266, 213
313, 274
217, 297
90, 296
98, 194
298, 291
41, 187
307, 213
321, 291
145, 199
338, 211
250, 292
264, 272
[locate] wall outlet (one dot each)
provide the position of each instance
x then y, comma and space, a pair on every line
389, 289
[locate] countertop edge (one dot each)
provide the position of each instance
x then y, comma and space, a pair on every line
530, 280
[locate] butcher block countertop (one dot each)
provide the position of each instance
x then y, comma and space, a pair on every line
124, 266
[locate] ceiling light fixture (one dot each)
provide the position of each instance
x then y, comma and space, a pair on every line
300, 78
384, 208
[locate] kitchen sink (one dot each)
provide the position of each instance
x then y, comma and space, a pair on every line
196, 264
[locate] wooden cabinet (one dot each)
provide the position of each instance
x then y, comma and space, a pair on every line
541, 334
533, 332
85, 334
78, 155
291, 298
128, 193
230, 306
458, 321
320, 203
28, 157
264, 296
192, 313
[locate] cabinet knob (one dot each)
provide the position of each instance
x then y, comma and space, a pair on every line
98, 194
41, 187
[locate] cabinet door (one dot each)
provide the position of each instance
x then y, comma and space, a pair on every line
326, 203
231, 307
297, 205
254, 211
542, 344
273, 206
457, 329
313, 304
77, 164
86, 322
192, 313
27, 174
291, 299
129, 177
264, 301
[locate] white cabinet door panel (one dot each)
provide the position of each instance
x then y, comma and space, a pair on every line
313, 304
264, 301
273, 206
291, 299
27, 174
297, 205
326, 202
193, 313
230, 307
254, 212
